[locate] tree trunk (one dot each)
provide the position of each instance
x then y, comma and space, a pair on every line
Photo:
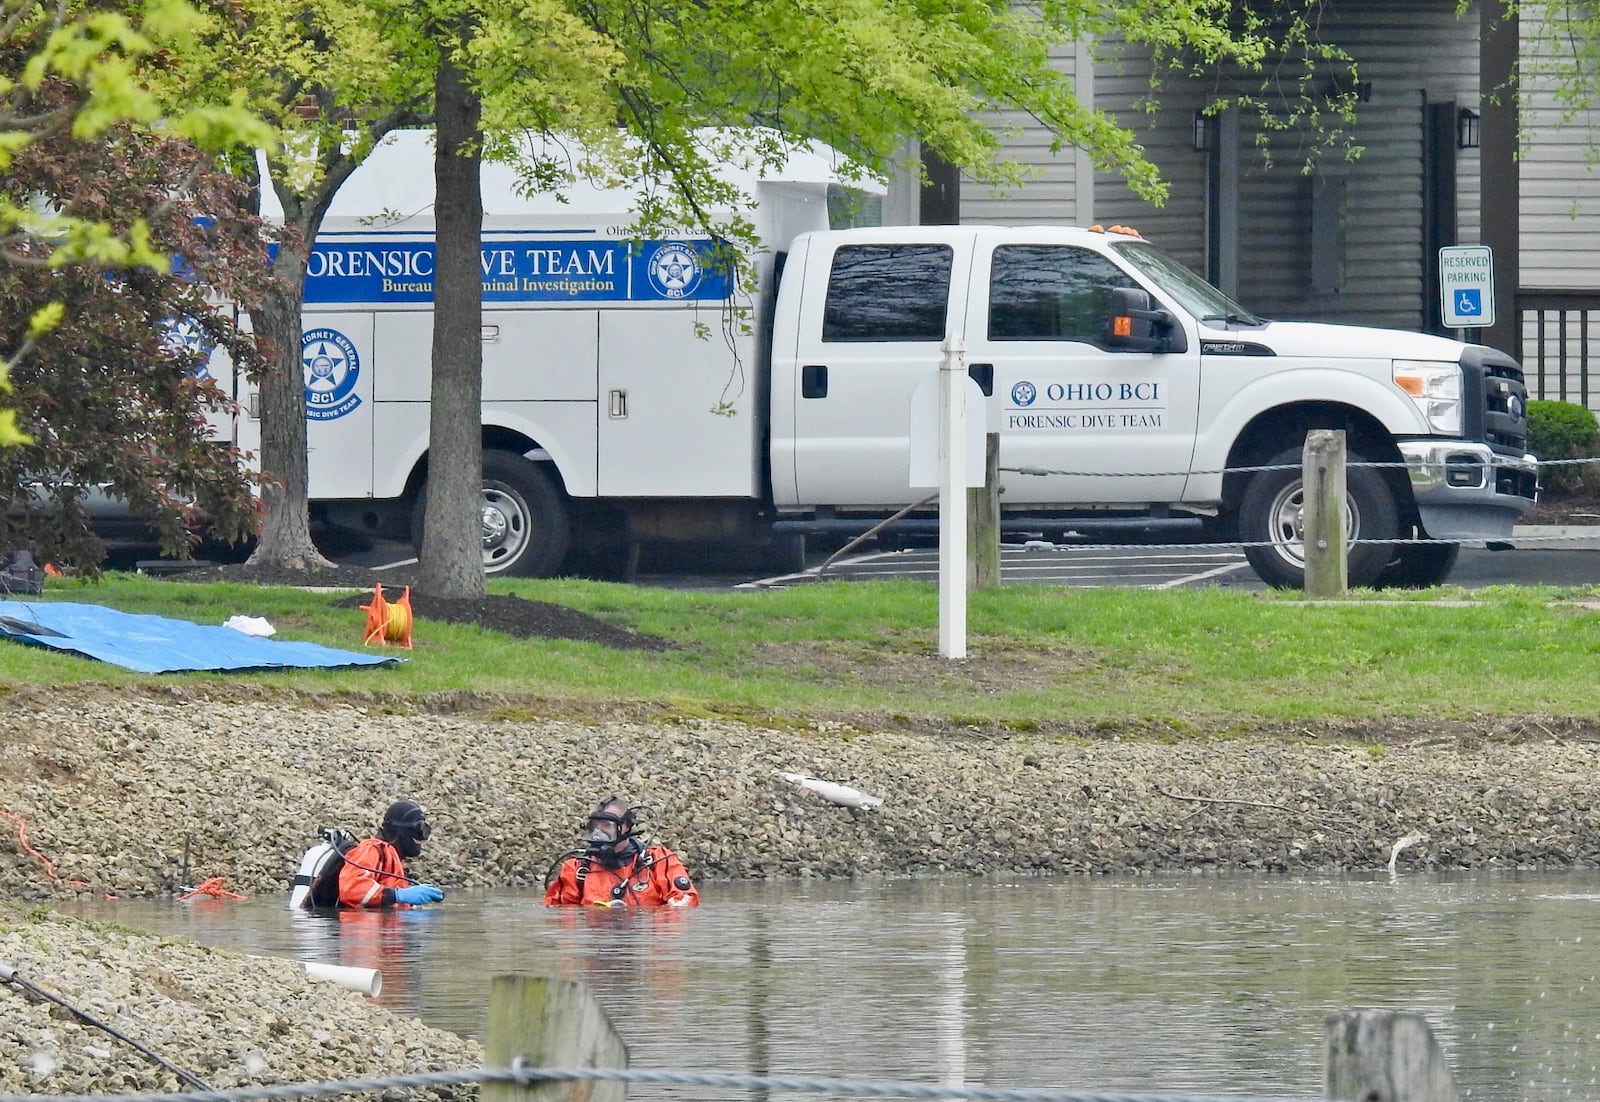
285, 478
452, 547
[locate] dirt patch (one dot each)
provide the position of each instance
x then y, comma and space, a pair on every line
1002, 670
1580, 506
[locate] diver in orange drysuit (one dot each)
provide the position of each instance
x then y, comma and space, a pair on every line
620, 866
374, 874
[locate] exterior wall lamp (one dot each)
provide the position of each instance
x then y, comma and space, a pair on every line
1202, 132
1466, 128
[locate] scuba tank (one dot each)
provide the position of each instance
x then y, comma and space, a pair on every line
316, 884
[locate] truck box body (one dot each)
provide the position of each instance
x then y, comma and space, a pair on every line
1119, 383
591, 344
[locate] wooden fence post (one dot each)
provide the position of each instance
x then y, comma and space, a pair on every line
983, 521
550, 1023
1322, 481
1383, 1056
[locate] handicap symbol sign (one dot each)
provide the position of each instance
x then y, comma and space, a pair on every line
1466, 286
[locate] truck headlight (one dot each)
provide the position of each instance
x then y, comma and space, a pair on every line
1435, 387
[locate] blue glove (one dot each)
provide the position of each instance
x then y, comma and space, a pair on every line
418, 893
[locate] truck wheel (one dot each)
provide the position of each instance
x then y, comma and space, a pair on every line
526, 530
1272, 522
1418, 566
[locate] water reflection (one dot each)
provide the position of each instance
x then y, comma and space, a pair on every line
1201, 985
396, 943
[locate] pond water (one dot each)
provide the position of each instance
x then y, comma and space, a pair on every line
1214, 985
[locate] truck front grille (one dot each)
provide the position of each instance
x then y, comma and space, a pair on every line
1496, 400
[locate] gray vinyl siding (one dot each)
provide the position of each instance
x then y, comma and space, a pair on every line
1413, 52
1558, 194
1559, 191
1050, 192
1177, 225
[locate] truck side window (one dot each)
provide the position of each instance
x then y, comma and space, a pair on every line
888, 293
1051, 293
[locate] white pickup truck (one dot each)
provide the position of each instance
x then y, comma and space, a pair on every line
1120, 384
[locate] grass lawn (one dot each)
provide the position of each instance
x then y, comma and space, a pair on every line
1039, 658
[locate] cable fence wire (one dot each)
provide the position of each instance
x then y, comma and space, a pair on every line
519, 1073
1401, 465
1507, 541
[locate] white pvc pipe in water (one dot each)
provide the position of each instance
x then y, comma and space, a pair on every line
368, 981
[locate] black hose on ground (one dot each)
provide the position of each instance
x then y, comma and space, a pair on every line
8, 974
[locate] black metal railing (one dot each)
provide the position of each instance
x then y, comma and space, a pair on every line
1558, 344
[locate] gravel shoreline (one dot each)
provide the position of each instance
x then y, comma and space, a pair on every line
143, 793
138, 794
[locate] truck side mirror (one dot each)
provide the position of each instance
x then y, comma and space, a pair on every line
1131, 324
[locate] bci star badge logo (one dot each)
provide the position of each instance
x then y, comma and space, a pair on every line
674, 269
332, 367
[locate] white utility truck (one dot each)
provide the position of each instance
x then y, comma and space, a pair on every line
1121, 385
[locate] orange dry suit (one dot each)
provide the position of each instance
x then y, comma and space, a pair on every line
372, 871
654, 877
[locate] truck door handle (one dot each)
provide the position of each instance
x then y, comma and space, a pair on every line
814, 381
983, 375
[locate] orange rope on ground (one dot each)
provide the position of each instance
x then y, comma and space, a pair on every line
388, 621
22, 840
213, 887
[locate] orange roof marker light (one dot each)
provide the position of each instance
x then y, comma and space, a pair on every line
1126, 231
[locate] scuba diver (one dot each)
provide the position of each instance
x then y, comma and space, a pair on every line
620, 865
374, 874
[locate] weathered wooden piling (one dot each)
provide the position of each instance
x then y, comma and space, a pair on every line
1384, 1056
1323, 480
550, 1023
983, 521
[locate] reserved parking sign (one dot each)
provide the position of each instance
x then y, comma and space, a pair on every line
1466, 286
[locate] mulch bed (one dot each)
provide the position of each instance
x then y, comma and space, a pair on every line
507, 613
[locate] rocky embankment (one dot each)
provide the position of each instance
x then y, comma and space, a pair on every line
121, 793
129, 794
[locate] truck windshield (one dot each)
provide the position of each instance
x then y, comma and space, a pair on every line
1194, 294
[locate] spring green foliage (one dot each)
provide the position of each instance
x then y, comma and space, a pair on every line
1563, 430
862, 76
108, 55
112, 392
1560, 57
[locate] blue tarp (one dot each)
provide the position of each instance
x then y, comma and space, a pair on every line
156, 644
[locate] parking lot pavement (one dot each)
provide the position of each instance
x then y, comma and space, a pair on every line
1548, 555
1554, 556
1049, 564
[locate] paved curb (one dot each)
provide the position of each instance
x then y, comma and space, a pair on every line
1578, 537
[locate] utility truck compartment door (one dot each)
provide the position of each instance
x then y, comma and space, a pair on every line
659, 432
528, 355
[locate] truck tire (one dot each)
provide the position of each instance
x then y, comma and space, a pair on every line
526, 530
1272, 522
1419, 566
